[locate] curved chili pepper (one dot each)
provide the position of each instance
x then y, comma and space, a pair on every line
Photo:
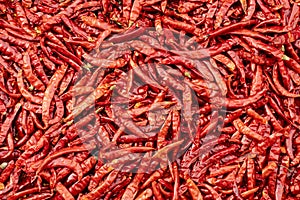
262, 46
6, 49
49, 92
157, 194
131, 189
58, 153
86, 166
74, 28
12, 40
22, 19
222, 12
182, 26
29, 74
103, 187
79, 186
4, 176
242, 102
63, 162
10, 146
64, 191
94, 22
79, 158
8, 122
279, 87
24, 92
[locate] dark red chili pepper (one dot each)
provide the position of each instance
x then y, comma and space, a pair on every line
279, 87
64, 191
8, 122
7, 171
86, 166
7, 50
59, 153
49, 93
63, 162
103, 187
24, 92
94, 22
79, 186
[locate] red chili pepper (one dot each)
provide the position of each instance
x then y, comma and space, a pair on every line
262, 46
4, 176
222, 12
94, 22
294, 65
79, 158
156, 191
63, 162
279, 87
64, 191
59, 153
126, 9
8, 122
7, 50
103, 187
29, 74
49, 92
79, 186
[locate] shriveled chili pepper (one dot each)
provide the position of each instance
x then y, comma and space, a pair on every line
94, 22
103, 187
36, 83
25, 93
156, 191
63, 191
7, 50
79, 186
7, 171
279, 87
59, 153
8, 122
49, 93
35, 60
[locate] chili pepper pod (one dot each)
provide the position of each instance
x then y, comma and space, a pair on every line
7, 50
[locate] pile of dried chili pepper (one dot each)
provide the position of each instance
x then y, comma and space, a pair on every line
149, 99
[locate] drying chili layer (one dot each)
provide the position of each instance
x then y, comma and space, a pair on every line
149, 99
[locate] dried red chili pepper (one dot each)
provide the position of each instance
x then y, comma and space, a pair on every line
49, 93
64, 191
103, 187
79, 186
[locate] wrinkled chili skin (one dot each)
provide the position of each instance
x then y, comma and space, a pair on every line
149, 99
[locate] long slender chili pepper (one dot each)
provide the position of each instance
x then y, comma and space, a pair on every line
49, 93
8, 122
64, 191
279, 87
59, 153
156, 191
29, 74
4, 176
103, 187
7, 50
79, 186
24, 92
222, 12
94, 22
